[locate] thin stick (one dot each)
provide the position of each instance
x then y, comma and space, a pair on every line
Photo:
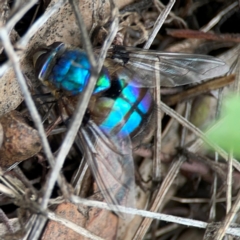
158, 24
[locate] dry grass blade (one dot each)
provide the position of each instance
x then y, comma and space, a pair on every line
159, 216
160, 195
224, 226
199, 89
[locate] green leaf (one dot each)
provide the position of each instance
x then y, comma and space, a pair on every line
227, 134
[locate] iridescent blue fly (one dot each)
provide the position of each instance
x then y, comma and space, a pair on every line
122, 105
125, 105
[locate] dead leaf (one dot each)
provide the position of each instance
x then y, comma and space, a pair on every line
53, 229
101, 223
20, 141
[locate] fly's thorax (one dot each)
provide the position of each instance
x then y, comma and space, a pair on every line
68, 69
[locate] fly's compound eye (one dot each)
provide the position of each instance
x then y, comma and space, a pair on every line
45, 58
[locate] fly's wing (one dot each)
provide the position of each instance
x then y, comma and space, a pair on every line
111, 162
175, 69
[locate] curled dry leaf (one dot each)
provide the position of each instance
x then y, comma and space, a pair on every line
20, 141
53, 229
102, 223
105, 226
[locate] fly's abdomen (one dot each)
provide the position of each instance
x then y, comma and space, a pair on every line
126, 108
67, 69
